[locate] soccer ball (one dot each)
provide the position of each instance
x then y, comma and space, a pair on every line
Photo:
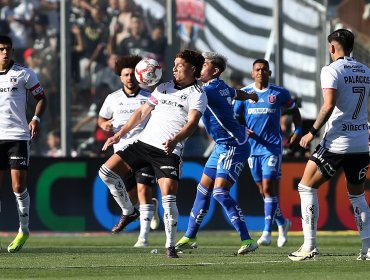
148, 72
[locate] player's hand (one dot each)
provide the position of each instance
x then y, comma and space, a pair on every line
107, 126
33, 126
305, 140
293, 140
253, 96
110, 141
169, 146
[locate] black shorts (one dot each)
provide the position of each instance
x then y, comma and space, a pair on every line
144, 176
14, 154
139, 155
354, 165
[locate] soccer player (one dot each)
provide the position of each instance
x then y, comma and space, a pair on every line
262, 120
114, 113
175, 108
16, 81
227, 159
345, 144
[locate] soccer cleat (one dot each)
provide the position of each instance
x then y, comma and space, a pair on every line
171, 253
364, 256
247, 246
186, 243
301, 255
283, 233
265, 239
18, 242
154, 223
125, 220
141, 243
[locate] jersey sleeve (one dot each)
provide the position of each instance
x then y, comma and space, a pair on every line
198, 102
329, 78
153, 98
106, 111
287, 100
33, 85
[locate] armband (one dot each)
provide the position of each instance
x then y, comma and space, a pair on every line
36, 118
298, 131
313, 131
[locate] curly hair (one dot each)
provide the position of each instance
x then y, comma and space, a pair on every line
128, 61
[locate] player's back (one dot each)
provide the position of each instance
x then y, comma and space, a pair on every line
219, 119
347, 127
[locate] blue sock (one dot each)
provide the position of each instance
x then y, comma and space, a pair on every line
199, 210
279, 217
233, 211
270, 205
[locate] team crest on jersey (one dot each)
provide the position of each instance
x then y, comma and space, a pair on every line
183, 97
13, 80
271, 99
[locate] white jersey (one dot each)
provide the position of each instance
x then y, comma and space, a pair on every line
347, 128
119, 107
170, 114
15, 84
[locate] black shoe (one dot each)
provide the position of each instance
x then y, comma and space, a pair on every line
125, 220
171, 253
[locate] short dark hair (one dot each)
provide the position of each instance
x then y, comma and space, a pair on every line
262, 61
194, 58
128, 61
343, 37
6, 40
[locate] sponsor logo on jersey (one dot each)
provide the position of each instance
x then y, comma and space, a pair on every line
224, 92
271, 99
129, 111
170, 103
7, 89
354, 127
257, 111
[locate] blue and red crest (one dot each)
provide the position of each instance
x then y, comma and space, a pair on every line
271, 99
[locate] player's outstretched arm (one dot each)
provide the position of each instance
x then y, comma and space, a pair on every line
242, 95
137, 117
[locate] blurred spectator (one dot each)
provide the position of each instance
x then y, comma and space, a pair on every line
106, 79
77, 51
18, 14
138, 42
39, 34
94, 35
159, 42
51, 9
53, 142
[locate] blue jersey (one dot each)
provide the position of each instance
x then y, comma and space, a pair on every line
263, 117
219, 119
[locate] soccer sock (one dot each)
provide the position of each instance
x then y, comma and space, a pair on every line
362, 216
234, 212
23, 206
279, 217
117, 189
310, 215
146, 215
170, 218
270, 205
199, 210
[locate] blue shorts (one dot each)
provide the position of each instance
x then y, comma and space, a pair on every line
266, 166
227, 162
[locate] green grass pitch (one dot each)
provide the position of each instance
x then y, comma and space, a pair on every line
104, 256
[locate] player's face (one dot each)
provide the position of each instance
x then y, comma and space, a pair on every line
128, 79
6, 53
261, 73
208, 72
183, 72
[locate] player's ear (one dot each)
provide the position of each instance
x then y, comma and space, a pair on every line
270, 73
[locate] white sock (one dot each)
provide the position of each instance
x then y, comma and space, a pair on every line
146, 215
310, 215
170, 218
117, 189
23, 207
362, 217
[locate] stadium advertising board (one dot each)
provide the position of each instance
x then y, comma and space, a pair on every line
68, 195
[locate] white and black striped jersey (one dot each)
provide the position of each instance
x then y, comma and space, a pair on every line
172, 104
119, 107
15, 84
346, 131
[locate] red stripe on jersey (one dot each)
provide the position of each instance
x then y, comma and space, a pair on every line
153, 100
37, 91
